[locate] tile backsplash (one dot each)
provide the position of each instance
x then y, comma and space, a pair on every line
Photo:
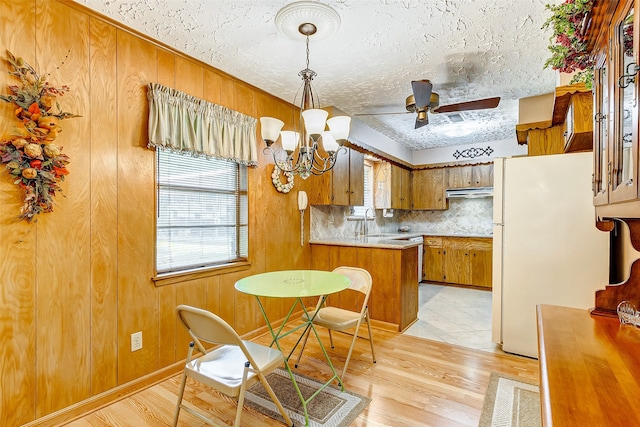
464, 217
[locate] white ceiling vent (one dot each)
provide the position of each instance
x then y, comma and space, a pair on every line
456, 117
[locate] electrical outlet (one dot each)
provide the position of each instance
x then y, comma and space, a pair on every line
136, 341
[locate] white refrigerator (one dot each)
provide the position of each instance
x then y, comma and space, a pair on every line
546, 248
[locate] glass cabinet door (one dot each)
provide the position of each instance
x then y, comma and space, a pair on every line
624, 150
601, 97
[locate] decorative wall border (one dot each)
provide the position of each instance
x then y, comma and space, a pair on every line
472, 153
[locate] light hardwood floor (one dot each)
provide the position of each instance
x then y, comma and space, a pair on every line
415, 382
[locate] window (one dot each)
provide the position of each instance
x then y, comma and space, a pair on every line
202, 217
368, 192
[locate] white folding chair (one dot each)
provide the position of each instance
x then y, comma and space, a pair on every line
229, 368
339, 319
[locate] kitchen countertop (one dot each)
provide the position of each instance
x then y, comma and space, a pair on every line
390, 241
484, 236
385, 240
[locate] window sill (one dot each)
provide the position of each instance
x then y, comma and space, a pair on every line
183, 276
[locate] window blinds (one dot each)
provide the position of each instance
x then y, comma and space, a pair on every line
202, 212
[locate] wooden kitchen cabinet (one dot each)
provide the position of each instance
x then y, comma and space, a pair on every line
344, 185
601, 173
459, 176
578, 133
394, 297
392, 186
400, 188
455, 265
469, 176
481, 260
613, 46
428, 189
432, 268
482, 175
458, 260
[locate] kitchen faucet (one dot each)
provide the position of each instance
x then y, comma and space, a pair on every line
364, 227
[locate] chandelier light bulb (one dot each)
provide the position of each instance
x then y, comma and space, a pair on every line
339, 127
290, 140
329, 143
314, 122
270, 129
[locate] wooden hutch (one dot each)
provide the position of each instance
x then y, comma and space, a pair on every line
589, 370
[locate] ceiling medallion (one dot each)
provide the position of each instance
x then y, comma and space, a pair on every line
289, 19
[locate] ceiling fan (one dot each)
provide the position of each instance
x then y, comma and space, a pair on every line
424, 100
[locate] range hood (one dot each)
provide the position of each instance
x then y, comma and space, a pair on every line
469, 193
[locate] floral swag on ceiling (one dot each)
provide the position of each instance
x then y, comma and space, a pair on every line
36, 164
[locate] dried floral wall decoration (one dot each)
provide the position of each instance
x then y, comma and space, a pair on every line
29, 152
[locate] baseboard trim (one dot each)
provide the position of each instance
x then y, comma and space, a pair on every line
99, 401
385, 326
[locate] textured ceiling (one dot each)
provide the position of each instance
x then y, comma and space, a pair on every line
469, 49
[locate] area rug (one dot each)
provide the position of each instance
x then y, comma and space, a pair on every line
510, 402
331, 408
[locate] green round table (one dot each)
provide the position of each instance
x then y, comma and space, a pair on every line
293, 283
296, 284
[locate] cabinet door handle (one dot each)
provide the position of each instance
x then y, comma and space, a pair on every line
626, 79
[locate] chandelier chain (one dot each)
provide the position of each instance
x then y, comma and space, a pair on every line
307, 52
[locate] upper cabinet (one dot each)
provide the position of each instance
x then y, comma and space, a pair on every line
602, 172
348, 180
428, 189
400, 188
469, 176
615, 178
624, 185
578, 123
344, 185
392, 186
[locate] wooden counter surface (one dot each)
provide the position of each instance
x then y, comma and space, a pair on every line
589, 369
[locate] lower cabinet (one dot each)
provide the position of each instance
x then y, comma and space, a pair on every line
432, 259
394, 297
458, 260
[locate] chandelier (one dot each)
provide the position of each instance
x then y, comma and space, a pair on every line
309, 148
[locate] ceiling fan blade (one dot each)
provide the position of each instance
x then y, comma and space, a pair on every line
382, 114
421, 93
419, 123
479, 104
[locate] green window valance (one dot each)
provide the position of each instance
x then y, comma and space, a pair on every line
184, 123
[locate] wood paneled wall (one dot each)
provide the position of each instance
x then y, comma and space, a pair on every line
75, 285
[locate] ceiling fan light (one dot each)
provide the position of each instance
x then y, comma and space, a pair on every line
339, 127
290, 140
314, 122
270, 129
329, 143
410, 104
